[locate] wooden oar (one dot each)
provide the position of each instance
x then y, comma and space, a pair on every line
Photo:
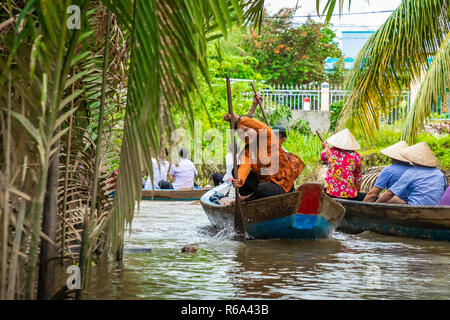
320, 137
260, 106
238, 218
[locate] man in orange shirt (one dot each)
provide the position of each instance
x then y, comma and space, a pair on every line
266, 169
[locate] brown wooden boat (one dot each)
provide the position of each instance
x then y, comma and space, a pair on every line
174, 195
307, 213
424, 222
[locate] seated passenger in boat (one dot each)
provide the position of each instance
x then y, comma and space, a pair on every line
445, 200
183, 172
423, 183
391, 174
219, 178
265, 168
343, 178
160, 170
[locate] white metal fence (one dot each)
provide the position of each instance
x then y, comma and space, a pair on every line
314, 98
294, 99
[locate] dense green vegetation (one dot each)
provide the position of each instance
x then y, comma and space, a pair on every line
292, 54
388, 135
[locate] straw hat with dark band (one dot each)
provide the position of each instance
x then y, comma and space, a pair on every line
420, 154
394, 151
344, 140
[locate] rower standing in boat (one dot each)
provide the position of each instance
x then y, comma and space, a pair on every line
266, 169
424, 183
391, 174
183, 172
343, 178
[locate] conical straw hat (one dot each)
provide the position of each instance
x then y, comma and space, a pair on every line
394, 151
344, 140
420, 154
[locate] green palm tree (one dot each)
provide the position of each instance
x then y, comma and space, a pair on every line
394, 56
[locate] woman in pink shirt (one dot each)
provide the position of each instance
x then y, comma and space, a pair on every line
343, 178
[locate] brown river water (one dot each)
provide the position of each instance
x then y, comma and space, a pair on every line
364, 266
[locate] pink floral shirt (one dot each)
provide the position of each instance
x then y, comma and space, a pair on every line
343, 177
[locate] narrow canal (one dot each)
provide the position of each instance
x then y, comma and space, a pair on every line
364, 266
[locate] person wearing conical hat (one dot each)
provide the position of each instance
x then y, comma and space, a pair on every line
424, 183
343, 178
391, 174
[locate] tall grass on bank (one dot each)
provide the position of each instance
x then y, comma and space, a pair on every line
308, 148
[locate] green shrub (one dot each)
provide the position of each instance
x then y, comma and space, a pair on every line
302, 126
308, 148
276, 116
440, 146
335, 112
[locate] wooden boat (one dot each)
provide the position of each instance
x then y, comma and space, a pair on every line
174, 195
307, 213
424, 222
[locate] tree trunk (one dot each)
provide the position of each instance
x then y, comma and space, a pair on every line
46, 280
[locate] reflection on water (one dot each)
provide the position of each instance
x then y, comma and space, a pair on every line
364, 266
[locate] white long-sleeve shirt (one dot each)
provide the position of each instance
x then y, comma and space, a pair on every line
229, 166
159, 173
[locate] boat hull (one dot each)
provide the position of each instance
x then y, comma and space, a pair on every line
423, 222
296, 227
278, 217
174, 195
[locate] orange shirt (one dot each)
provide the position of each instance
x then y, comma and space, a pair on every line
268, 159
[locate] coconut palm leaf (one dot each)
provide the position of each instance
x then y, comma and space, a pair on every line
168, 56
432, 89
393, 56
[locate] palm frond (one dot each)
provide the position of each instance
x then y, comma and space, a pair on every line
394, 55
432, 89
168, 56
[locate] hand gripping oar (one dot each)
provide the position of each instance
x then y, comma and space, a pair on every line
260, 106
238, 218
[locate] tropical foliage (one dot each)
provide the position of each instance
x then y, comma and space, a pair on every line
81, 83
67, 115
396, 55
291, 54
58, 103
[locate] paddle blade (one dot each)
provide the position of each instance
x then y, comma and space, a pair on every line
239, 227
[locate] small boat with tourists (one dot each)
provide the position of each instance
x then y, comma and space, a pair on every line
307, 213
423, 222
174, 194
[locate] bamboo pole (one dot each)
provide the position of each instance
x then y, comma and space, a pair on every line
238, 218
260, 105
